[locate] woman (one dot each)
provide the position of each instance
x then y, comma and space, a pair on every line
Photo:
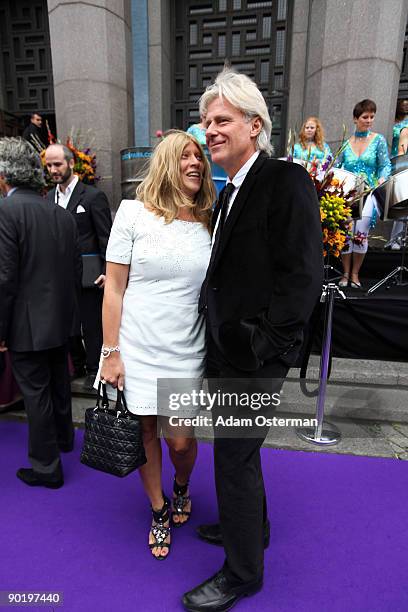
157, 258
399, 147
198, 131
365, 154
311, 145
400, 129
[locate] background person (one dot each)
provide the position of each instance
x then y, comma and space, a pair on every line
311, 145
40, 270
33, 131
399, 147
90, 209
401, 124
198, 131
156, 261
365, 154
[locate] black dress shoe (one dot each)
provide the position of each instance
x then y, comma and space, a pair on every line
212, 533
217, 595
33, 479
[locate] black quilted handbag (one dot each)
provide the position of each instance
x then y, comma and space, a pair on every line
113, 441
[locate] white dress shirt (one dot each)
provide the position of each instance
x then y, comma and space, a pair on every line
62, 198
237, 181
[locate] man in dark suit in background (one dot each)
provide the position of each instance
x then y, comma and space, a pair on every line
40, 274
90, 208
262, 284
33, 131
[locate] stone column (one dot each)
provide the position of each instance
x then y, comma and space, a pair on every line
159, 66
298, 62
91, 56
354, 51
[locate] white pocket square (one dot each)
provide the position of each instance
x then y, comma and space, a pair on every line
80, 209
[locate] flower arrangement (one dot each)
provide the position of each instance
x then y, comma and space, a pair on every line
84, 160
335, 200
335, 206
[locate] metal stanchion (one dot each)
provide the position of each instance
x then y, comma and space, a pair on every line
324, 432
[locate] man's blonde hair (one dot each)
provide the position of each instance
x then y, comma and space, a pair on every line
243, 93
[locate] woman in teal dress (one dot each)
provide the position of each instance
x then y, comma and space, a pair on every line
400, 126
311, 145
198, 131
399, 147
365, 154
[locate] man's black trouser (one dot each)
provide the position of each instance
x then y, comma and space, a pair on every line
43, 378
91, 323
238, 470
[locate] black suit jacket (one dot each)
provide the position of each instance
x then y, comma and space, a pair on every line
33, 130
40, 273
266, 276
94, 224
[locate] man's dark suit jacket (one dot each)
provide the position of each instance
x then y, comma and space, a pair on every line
40, 273
33, 130
267, 273
94, 225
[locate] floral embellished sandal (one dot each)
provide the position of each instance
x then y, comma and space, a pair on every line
160, 531
179, 503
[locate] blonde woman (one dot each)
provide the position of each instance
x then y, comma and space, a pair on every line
157, 258
311, 145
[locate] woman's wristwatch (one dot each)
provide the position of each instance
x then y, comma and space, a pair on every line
107, 350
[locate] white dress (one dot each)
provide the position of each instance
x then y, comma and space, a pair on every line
161, 333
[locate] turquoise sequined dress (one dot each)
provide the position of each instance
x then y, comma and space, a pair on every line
313, 153
372, 164
396, 130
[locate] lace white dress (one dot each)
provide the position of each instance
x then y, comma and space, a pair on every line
161, 333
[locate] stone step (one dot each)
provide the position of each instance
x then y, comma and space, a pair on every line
363, 371
357, 390
367, 400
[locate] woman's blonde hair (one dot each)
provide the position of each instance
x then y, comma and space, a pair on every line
162, 188
318, 137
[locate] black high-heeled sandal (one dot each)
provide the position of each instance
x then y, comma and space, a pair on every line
160, 531
179, 503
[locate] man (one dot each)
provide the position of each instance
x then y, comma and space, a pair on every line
262, 283
90, 208
33, 130
40, 272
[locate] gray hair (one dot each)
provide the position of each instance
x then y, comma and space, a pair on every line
68, 154
240, 91
20, 164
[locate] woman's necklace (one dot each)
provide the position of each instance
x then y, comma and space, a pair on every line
362, 134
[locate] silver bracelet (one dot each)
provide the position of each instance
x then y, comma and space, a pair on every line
107, 350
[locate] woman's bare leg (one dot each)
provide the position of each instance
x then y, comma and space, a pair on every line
358, 259
346, 261
183, 453
151, 474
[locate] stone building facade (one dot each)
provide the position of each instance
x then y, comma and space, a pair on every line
124, 69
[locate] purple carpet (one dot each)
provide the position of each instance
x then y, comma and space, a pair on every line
339, 535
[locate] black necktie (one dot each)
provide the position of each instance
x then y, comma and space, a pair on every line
222, 215
224, 201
